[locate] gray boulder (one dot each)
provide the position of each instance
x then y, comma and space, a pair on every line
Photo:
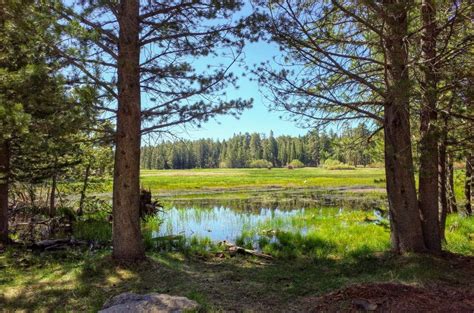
150, 303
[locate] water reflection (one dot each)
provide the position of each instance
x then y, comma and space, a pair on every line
227, 217
286, 201
217, 223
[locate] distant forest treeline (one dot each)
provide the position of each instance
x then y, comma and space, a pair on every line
355, 146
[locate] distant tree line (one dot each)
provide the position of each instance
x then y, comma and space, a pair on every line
354, 145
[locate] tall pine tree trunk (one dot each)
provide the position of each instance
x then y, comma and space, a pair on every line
443, 178
406, 229
52, 198
4, 169
4, 173
127, 238
428, 175
468, 183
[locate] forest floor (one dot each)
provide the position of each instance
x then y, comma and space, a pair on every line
77, 280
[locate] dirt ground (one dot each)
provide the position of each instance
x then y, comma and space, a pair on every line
391, 297
396, 297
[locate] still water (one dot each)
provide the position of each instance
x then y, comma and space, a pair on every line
217, 223
226, 219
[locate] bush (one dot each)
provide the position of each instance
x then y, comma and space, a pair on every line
224, 164
331, 164
377, 165
93, 230
260, 164
150, 226
296, 164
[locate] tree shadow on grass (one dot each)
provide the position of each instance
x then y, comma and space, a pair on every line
83, 281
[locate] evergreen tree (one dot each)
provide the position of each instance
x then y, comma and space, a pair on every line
147, 48
39, 115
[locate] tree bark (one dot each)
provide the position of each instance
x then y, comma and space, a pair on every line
452, 206
127, 239
4, 174
84, 189
443, 178
468, 183
52, 198
428, 173
406, 229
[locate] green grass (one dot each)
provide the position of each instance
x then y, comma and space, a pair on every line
460, 234
94, 230
204, 179
81, 281
331, 234
323, 233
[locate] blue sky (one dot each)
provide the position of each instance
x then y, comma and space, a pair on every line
259, 118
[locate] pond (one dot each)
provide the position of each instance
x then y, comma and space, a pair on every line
217, 223
227, 219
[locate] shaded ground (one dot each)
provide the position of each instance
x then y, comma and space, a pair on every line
392, 297
436, 296
78, 281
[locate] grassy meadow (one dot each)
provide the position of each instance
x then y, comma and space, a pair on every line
228, 179
222, 179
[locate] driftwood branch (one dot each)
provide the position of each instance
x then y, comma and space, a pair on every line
234, 249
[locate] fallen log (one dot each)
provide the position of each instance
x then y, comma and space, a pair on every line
234, 249
169, 238
56, 244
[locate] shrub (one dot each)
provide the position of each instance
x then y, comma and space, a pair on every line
148, 207
331, 164
93, 230
296, 164
224, 164
377, 165
150, 226
260, 164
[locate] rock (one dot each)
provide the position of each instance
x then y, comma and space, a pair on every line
364, 305
150, 303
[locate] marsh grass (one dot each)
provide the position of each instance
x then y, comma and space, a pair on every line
336, 234
97, 228
319, 233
